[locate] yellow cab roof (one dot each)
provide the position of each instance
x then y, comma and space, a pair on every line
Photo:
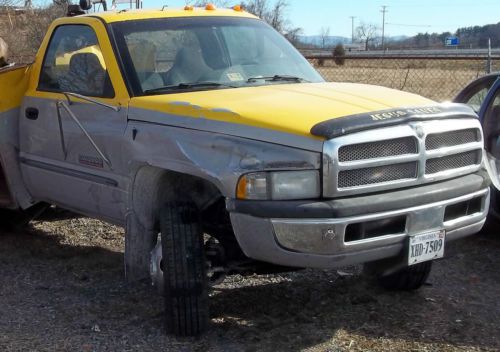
129, 15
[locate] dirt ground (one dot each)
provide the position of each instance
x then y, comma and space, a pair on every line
62, 289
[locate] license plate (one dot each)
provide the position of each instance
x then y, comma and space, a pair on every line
426, 246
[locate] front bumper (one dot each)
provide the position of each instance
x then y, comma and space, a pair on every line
340, 241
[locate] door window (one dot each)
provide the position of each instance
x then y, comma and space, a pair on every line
74, 63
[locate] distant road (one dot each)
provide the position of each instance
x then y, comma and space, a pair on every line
432, 52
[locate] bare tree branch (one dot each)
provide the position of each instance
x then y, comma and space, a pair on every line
367, 32
324, 34
274, 14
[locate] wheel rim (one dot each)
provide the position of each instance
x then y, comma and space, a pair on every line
155, 268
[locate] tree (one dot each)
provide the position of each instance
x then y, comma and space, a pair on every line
275, 15
366, 33
339, 54
324, 35
293, 35
273, 12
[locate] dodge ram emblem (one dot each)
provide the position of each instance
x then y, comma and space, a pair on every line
329, 234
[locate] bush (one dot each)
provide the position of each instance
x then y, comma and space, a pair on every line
339, 54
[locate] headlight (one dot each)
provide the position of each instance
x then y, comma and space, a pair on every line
279, 185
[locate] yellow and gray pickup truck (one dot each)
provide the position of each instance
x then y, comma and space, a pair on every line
221, 150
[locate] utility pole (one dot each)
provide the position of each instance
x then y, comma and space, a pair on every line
384, 11
352, 21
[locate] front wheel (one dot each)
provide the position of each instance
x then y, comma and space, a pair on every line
407, 279
184, 270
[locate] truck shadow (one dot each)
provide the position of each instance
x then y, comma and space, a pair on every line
80, 292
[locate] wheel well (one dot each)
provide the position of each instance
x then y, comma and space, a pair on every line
152, 188
180, 187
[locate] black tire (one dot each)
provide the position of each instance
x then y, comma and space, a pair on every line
407, 279
184, 270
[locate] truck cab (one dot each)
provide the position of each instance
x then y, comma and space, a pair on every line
221, 150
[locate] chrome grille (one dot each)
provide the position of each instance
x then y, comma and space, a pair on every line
379, 174
401, 156
451, 162
451, 139
365, 151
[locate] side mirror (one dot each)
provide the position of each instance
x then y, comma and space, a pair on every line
85, 4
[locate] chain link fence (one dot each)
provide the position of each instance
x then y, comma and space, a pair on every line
438, 78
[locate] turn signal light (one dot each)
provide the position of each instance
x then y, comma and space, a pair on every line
210, 7
238, 8
188, 8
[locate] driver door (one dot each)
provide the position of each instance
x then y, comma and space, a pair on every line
71, 148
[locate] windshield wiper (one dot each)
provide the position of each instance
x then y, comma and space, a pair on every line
184, 86
278, 78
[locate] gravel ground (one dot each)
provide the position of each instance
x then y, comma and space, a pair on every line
62, 289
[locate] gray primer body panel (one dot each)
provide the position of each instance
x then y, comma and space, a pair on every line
9, 156
320, 243
214, 151
216, 157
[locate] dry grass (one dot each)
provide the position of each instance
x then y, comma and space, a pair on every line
433, 78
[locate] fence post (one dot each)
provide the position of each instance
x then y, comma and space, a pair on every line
488, 62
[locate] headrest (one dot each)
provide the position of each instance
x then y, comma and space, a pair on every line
190, 58
85, 63
143, 56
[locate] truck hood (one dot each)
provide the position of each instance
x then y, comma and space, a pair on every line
289, 108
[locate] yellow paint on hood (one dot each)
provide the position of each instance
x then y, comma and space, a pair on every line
291, 108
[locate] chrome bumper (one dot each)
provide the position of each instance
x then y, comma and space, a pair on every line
323, 243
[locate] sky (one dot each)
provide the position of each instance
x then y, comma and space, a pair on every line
403, 17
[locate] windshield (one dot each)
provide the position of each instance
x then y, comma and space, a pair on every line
186, 54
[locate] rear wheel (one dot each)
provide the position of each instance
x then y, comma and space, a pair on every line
407, 279
184, 270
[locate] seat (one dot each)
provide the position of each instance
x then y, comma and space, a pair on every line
189, 67
85, 75
143, 56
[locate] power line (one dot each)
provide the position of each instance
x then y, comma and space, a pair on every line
409, 25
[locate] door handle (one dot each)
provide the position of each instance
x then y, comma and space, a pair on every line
31, 113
